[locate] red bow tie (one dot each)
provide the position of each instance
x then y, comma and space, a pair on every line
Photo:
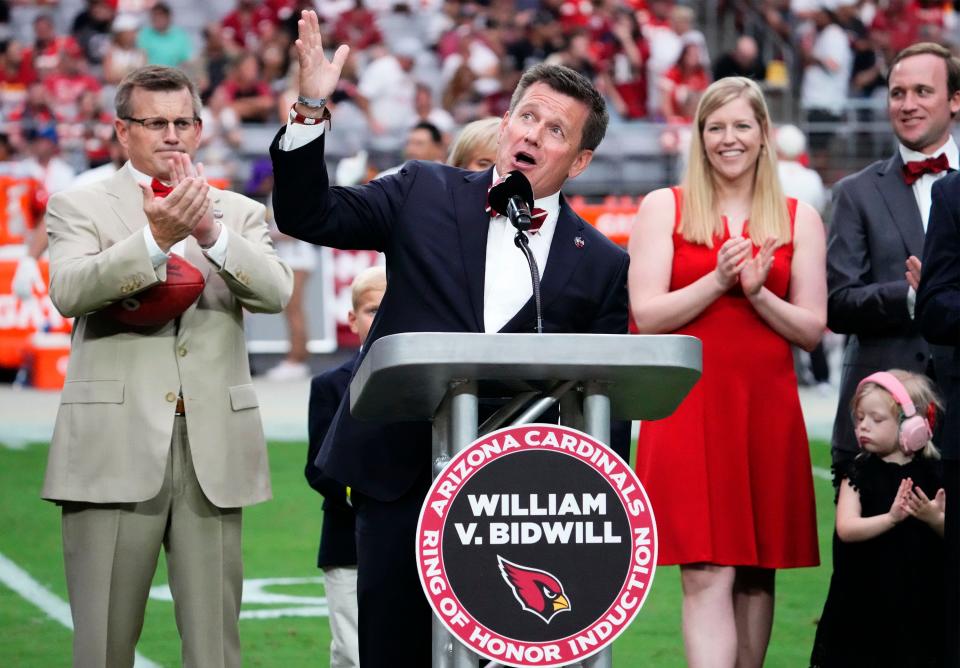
914, 169
159, 188
537, 216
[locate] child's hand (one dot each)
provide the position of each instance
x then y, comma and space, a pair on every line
899, 509
918, 505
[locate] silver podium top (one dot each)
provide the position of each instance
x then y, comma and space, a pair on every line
405, 376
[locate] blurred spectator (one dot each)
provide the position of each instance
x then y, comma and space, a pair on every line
44, 163
826, 79
576, 54
896, 27
742, 61
797, 180
431, 113
665, 47
386, 95
425, 142
475, 147
164, 43
628, 70
95, 126
246, 92
65, 86
16, 73
35, 111
48, 47
123, 55
274, 53
682, 85
357, 27
214, 59
246, 25
222, 136
460, 97
91, 29
117, 157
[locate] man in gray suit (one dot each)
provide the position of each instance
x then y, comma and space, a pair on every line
877, 232
158, 440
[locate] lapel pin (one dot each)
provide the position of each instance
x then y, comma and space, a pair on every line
217, 213
578, 242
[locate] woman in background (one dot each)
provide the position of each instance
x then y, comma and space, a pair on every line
728, 259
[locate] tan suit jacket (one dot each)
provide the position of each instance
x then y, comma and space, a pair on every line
114, 425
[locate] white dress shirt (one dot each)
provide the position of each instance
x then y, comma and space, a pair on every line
922, 192
217, 252
507, 285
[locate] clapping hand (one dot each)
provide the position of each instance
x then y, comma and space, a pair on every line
206, 229
913, 272
176, 216
756, 269
918, 505
731, 258
898, 509
318, 76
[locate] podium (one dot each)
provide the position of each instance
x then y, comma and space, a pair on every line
443, 377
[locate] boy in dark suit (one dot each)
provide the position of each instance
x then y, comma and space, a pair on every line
338, 549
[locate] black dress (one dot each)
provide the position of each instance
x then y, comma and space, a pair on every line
885, 604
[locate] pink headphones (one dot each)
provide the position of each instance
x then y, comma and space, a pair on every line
914, 429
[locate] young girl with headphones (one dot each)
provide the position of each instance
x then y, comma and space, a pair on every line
885, 599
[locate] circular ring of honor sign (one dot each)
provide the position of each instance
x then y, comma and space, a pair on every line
536, 546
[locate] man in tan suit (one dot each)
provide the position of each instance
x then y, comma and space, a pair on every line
158, 439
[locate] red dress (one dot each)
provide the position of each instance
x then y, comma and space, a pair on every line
728, 474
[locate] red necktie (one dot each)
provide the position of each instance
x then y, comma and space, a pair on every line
914, 169
159, 188
537, 216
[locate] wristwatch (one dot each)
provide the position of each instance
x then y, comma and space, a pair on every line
312, 102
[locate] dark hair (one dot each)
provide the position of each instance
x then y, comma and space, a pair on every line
161, 7
435, 135
153, 78
933, 49
573, 84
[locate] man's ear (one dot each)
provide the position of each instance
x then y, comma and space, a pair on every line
580, 163
352, 321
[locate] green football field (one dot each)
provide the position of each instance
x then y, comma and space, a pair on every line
284, 626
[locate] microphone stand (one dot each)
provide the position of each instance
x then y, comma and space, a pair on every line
521, 242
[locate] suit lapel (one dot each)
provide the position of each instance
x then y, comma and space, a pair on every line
566, 250
901, 203
127, 200
473, 224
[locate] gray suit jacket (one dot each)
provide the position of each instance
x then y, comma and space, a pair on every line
876, 226
116, 415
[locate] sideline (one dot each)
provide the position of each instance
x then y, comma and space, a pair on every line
20, 581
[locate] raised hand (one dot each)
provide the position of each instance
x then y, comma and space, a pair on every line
318, 76
730, 260
755, 270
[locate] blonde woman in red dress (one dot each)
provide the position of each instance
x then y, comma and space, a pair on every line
728, 259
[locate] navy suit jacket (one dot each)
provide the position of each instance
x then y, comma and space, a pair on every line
938, 304
429, 220
338, 545
876, 226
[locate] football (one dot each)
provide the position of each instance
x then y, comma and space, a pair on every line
162, 302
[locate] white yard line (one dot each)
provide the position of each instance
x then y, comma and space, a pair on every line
57, 609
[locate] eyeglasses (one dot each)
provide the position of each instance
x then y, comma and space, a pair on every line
158, 124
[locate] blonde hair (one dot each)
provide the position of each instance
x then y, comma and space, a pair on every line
700, 222
371, 278
921, 393
473, 138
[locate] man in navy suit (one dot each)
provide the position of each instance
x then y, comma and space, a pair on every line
451, 267
938, 311
338, 548
876, 236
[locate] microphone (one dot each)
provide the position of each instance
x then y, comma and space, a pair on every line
512, 196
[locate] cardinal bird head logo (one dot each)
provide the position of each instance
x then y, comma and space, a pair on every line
536, 590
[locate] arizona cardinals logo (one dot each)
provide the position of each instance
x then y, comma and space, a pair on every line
537, 591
